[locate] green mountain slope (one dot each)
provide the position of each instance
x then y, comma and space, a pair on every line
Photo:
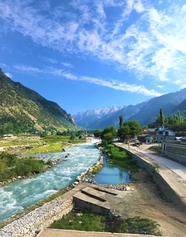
181, 107
24, 110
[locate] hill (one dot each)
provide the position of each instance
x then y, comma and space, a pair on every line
169, 103
145, 112
24, 110
181, 107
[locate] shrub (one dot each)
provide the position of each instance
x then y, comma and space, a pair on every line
11, 166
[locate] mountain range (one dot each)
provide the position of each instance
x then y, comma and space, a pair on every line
145, 112
22, 109
85, 119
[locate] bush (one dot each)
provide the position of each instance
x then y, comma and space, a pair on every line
50, 163
27, 166
11, 159
138, 225
11, 166
87, 221
120, 157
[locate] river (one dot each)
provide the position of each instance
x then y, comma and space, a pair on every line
112, 174
24, 193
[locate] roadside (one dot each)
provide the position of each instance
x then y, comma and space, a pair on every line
150, 202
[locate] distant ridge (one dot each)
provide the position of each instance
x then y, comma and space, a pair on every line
145, 113
169, 103
24, 110
85, 119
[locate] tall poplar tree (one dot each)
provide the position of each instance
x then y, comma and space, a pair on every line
121, 120
161, 117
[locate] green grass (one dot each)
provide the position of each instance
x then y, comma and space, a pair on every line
81, 221
38, 144
96, 169
138, 225
120, 157
87, 221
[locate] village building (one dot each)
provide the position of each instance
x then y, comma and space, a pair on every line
164, 134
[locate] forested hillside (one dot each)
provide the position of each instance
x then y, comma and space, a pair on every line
24, 110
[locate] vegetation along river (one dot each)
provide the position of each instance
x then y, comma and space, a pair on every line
24, 193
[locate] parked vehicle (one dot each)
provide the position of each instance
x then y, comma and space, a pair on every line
137, 143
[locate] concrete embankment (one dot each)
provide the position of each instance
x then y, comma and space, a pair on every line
171, 185
40, 218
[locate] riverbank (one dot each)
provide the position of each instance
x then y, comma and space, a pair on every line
29, 146
26, 192
142, 199
82, 178
41, 217
46, 166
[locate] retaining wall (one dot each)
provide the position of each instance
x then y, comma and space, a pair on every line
96, 208
40, 218
175, 151
158, 174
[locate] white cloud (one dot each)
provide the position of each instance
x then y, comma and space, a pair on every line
67, 64
160, 86
152, 44
27, 69
111, 83
160, 2
2, 65
183, 8
51, 60
8, 74
122, 86
139, 6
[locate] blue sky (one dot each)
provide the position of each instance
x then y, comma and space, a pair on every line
89, 54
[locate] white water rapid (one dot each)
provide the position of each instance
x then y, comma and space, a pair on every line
23, 193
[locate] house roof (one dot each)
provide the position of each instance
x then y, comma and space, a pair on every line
163, 129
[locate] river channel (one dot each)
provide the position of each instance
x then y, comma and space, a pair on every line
24, 193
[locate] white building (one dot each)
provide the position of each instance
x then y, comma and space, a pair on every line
164, 134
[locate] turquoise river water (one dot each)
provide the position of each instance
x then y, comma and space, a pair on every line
24, 193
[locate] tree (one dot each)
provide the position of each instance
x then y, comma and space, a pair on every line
120, 121
111, 133
179, 117
97, 133
124, 131
108, 137
135, 127
72, 137
109, 129
161, 117
185, 115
